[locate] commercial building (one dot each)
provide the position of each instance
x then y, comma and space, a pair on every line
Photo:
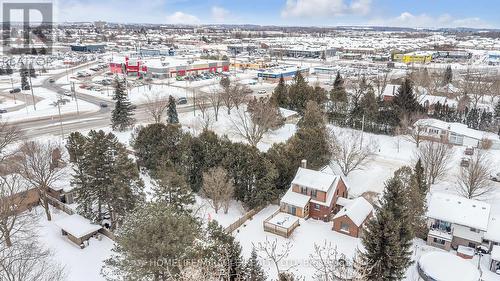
166, 67
88, 48
287, 72
414, 57
302, 52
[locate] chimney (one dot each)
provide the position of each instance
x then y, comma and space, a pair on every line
303, 163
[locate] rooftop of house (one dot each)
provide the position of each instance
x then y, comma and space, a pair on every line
457, 128
459, 210
314, 179
357, 209
295, 199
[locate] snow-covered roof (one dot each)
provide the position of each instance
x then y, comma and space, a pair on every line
437, 265
458, 128
77, 225
287, 112
357, 210
493, 232
295, 198
459, 210
314, 179
495, 253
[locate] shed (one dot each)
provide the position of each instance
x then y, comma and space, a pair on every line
77, 228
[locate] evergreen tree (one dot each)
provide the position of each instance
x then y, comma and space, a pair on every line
253, 269
8, 70
279, 97
23, 72
172, 117
497, 110
448, 75
106, 179
171, 189
380, 261
404, 101
121, 116
338, 93
75, 146
420, 177
369, 105
151, 238
2, 71
222, 247
299, 93
32, 72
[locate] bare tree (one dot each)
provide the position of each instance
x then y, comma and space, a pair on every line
409, 127
474, 181
276, 253
226, 96
41, 165
239, 94
218, 187
8, 135
349, 152
259, 119
202, 104
330, 265
475, 86
380, 83
14, 219
215, 100
156, 105
435, 157
27, 261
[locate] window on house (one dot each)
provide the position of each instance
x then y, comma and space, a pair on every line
317, 206
344, 227
314, 193
303, 190
472, 245
439, 241
474, 230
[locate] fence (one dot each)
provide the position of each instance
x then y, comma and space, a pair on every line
232, 227
279, 230
60, 205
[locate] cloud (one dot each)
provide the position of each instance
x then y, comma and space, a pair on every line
323, 8
407, 19
219, 14
180, 17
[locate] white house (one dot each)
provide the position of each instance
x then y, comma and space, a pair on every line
455, 221
454, 133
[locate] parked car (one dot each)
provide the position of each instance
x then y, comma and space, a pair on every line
482, 249
3, 110
465, 162
15, 90
67, 93
51, 80
495, 177
469, 150
182, 101
262, 92
103, 105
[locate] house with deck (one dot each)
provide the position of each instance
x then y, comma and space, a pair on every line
455, 221
313, 194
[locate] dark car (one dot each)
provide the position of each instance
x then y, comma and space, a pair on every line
182, 101
482, 249
3, 110
16, 90
51, 80
103, 105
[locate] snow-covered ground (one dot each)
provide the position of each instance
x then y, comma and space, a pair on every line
45, 106
79, 264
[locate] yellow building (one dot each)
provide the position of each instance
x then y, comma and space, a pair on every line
414, 57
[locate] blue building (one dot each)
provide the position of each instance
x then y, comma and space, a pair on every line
88, 48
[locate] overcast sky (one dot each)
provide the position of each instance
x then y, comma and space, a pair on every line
403, 13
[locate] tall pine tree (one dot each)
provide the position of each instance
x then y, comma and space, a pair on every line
279, 97
23, 72
171, 188
121, 116
172, 117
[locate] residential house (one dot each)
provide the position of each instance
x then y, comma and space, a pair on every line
313, 194
455, 221
455, 133
351, 219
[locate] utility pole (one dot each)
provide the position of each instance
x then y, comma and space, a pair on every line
60, 118
13, 92
362, 130
32, 94
76, 98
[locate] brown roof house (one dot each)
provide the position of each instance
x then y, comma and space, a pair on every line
351, 218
